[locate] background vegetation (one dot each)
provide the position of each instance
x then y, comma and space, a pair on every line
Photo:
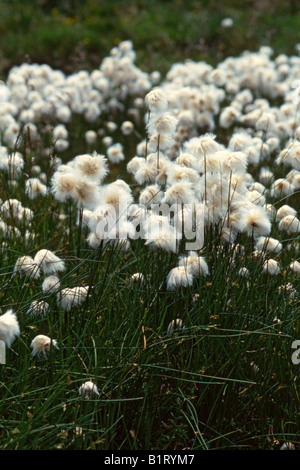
75, 34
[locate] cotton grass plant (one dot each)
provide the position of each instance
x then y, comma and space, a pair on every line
175, 347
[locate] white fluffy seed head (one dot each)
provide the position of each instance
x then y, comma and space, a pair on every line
162, 124
127, 127
9, 327
42, 344
271, 267
63, 185
289, 224
49, 262
295, 267
284, 211
90, 137
254, 221
86, 193
243, 272
72, 297
163, 238
179, 193
51, 284
87, 389
38, 308
156, 100
34, 188
179, 277
151, 195
26, 266
195, 264
175, 325
268, 244
115, 153
137, 278
93, 166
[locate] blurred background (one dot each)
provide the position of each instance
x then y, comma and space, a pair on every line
74, 34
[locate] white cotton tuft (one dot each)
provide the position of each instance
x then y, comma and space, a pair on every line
127, 127
49, 262
87, 389
34, 188
179, 277
156, 100
115, 153
94, 167
41, 345
71, 297
38, 308
254, 220
163, 238
175, 325
285, 211
268, 244
51, 285
271, 267
9, 327
26, 266
90, 137
295, 267
289, 224
195, 264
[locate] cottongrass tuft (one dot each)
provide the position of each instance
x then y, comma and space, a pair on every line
51, 285
268, 244
92, 166
244, 272
196, 265
63, 185
34, 188
41, 345
137, 277
295, 267
284, 211
179, 277
164, 239
26, 266
49, 262
38, 308
289, 224
71, 297
287, 446
9, 328
175, 325
254, 221
87, 389
271, 267
157, 100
